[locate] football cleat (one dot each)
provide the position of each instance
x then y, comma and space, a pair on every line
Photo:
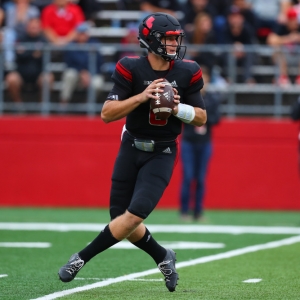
167, 268
68, 272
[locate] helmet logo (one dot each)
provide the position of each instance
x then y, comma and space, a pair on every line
149, 24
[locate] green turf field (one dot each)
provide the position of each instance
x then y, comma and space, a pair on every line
214, 259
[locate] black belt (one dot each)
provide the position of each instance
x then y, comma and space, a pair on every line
146, 145
155, 141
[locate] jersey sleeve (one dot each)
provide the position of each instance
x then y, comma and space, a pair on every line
196, 81
192, 95
122, 78
195, 100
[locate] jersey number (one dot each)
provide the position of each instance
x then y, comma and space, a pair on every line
156, 122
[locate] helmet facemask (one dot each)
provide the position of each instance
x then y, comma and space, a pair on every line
163, 44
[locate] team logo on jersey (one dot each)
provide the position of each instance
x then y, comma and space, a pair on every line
113, 97
174, 84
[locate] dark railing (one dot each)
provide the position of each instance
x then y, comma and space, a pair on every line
92, 106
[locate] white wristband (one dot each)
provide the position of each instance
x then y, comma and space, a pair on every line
186, 113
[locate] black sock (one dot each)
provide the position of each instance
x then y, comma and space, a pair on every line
102, 242
150, 246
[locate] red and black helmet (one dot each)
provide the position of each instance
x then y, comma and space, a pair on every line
152, 31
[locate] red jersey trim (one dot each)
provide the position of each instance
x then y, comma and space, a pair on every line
124, 72
188, 60
197, 76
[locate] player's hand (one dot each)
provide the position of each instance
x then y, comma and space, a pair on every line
151, 89
176, 102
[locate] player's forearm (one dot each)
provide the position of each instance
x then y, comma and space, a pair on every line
191, 115
115, 110
200, 117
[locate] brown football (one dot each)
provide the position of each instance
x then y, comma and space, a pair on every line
162, 108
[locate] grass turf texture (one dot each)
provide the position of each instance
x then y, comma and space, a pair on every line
33, 272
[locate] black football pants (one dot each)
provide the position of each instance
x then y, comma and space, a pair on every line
140, 178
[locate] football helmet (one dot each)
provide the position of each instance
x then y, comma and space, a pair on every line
153, 31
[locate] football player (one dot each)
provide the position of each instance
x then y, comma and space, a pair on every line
149, 148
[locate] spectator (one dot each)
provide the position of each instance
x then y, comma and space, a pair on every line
59, 21
1, 23
203, 34
269, 15
130, 39
41, 4
5, 3
196, 150
28, 62
165, 6
220, 8
77, 61
248, 13
90, 8
287, 38
1, 17
192, 8
17, 14
296, 6
238, 34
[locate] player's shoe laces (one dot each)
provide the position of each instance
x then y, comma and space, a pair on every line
167, 267
68, 272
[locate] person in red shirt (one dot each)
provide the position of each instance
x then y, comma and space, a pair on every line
59, 21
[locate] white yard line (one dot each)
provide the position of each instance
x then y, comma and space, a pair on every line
3, 275
173, 245
65, 227
201, 260
253, 280
102, 279
24, 245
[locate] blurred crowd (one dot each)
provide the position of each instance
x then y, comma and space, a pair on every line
62, 23
239, 23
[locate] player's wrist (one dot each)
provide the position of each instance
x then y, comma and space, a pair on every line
186, 113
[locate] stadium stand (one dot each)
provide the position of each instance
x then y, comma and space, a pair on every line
110, 27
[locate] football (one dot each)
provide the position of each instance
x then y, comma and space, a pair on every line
162, 108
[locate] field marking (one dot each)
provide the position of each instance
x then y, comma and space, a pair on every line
102, 279
253, 280
200, 260
3, 275
174, 245
66, 227
24, 245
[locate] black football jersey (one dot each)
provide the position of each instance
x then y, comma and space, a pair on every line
133, 74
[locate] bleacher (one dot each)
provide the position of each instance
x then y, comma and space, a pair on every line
261, 98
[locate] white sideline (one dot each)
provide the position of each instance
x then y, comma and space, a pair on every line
230, 229
201, 260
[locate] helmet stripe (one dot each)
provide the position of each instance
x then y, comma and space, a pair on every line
176, 32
